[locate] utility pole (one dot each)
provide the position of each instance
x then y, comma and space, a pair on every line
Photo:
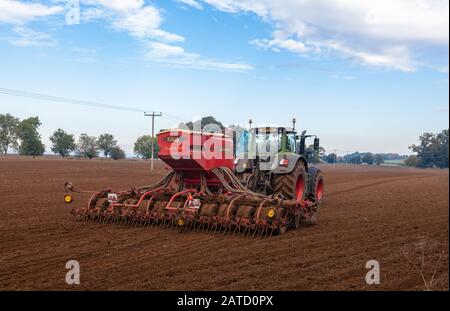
153, 115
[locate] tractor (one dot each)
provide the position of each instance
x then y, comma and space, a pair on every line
274, 160
257, 184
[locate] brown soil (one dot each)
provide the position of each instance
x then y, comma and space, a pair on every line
385, 214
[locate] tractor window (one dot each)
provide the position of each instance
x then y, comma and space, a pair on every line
242, 143
268, 142
291, 142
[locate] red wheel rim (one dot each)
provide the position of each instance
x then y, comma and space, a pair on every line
300, 188
319, 190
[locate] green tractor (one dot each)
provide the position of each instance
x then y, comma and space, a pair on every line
274, 161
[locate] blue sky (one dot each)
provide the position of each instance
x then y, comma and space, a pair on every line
363, 75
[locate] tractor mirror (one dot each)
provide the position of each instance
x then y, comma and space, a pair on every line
316, 144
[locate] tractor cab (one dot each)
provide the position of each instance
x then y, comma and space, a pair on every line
265, 142
268, 159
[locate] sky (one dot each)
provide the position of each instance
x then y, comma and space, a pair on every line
367, 76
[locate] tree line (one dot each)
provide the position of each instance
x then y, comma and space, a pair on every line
23, 136
432, 151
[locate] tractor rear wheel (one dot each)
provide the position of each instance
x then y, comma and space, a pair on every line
293, 185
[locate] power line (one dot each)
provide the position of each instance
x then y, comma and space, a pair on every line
64, 100
71, 101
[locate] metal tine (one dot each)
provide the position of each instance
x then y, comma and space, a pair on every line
213, 227
172, 224
237, 229
144, 221
267, 233
249, 231
225, 229
152, 222
230, 228
192, 224
262, 232
256, 230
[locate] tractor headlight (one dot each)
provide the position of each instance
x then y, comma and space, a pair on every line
271, 213
68, 199
181, 222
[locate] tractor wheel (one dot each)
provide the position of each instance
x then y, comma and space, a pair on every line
293, 186
316, 186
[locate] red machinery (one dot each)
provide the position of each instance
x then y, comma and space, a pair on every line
201, 192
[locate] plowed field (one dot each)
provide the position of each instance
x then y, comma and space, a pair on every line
396, 216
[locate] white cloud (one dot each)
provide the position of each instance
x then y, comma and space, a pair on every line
29, 37
192, 3
90, 14
117, 5
145, 23
177, 56
379, 33
349, 78
276, 44
16, 12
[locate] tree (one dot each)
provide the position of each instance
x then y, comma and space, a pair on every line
63, 143
331, 158
117, 153
314, 156
30, 140
368, 158
87, 146
106, 143
354, 158
143, 147
209, 124
412, 161
8, 132
379, 159
433, 150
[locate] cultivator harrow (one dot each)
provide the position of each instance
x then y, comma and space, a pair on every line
196, 195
